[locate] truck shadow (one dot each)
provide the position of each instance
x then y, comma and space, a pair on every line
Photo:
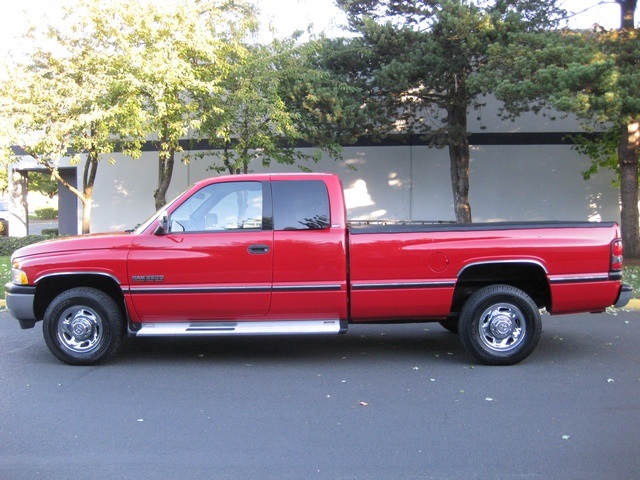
416, 341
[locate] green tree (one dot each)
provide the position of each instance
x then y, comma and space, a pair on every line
594, 75
6, 154
68, 98
426, 65
43, 183
248, 119
330, 102
271, 102
180, 52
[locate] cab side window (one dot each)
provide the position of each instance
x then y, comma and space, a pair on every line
300, 205
221, 207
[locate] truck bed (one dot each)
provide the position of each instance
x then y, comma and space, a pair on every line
412, 269
418, 226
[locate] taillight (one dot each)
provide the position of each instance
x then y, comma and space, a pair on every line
616, 255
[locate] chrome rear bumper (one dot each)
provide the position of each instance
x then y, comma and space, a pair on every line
626, 292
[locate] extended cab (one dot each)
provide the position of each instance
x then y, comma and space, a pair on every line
274, 254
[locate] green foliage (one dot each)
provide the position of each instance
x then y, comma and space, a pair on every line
181, 52
603, 151
590, 74
71, 96
631, 276
43, 183
108, 77
5, 270
425, 66
275, 98
8, 245
330, 101
46, 213
593, 75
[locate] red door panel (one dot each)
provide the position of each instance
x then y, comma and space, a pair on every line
201, 276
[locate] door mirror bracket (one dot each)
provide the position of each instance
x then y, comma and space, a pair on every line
163, 224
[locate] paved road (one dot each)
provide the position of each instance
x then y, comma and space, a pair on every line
386, 402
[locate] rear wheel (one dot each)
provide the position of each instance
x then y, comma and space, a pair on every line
500, 325
83, 326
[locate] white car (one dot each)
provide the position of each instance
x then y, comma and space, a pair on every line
4, 211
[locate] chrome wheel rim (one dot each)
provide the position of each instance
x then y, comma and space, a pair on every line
80, 329
502, 327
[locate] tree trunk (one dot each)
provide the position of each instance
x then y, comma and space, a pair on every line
87, 204
459, 155
628, 151
627, 12
88, 180
165, 172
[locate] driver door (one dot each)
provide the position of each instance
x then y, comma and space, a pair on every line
215, 263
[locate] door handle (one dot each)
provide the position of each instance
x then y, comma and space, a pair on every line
258, 249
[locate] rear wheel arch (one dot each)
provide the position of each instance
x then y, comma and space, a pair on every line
527, 276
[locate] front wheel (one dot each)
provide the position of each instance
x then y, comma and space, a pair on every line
83, 326
500, 325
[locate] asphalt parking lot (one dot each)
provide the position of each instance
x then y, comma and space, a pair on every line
382, 402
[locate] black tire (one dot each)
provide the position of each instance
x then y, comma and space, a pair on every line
83, 326
450, 324
500, 325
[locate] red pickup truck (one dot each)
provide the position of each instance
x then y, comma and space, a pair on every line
275, 254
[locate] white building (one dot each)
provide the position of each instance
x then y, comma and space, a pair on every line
522, 170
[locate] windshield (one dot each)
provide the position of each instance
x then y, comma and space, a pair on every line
143, 226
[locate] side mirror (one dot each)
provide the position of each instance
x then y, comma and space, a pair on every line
163, 224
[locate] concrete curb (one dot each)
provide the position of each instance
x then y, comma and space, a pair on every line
634, 304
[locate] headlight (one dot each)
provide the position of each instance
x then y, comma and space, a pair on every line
19, 277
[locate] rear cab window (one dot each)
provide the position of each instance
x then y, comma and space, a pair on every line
300, 205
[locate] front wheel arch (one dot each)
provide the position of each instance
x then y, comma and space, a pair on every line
49, 287
500, 325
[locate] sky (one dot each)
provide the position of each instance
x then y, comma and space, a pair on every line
286, 15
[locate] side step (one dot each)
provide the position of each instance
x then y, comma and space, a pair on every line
293, 327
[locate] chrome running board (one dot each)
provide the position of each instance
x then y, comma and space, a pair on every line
161, 329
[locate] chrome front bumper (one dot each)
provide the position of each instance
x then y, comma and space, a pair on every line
20, 300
